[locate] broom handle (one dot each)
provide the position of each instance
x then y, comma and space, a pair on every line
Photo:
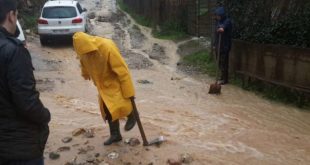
137, 116
218, 57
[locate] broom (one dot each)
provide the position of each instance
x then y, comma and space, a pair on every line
216, 87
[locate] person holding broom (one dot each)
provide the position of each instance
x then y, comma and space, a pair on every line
224, 34
102, 63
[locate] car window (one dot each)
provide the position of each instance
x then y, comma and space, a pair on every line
59, 12
79, 8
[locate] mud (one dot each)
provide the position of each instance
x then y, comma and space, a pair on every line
190, 70
134, 60
119, 37
236, 127
102, 18
137, 61
194, 45
45, 85
40, 64
124, 21
114, 17
91, 15
137, 38
189, 47
158, 53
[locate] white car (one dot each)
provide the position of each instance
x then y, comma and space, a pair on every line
21, 36
61, 18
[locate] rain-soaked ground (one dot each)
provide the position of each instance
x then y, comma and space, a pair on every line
236, 127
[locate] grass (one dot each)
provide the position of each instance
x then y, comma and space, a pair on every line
201, 61
138, 18
172, 35
274, 92
169, 30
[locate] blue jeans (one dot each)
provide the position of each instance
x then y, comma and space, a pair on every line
39, 161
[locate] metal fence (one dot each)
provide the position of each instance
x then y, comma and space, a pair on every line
281, 65
196, 15
200, 21
159, 11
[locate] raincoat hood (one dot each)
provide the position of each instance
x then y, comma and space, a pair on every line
84, 43
220, 11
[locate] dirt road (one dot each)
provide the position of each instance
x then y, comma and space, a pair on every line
235, 128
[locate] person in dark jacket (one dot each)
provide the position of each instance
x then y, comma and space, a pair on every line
223, 30
23, 118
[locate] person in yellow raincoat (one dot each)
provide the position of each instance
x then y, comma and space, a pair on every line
102, 63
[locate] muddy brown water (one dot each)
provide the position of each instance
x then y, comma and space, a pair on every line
235, 128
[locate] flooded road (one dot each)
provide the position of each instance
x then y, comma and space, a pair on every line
236, 127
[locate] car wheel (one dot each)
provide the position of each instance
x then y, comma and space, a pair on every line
86, 28
43, 40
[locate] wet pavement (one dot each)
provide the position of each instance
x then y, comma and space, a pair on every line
236, 127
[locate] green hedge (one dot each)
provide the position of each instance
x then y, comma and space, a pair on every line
271, 21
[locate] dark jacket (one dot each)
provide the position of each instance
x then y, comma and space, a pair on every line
23, 118
227, 35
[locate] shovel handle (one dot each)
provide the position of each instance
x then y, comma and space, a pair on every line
218, 54
137, 116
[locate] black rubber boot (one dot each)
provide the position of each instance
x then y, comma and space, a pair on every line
131, 121
115, 134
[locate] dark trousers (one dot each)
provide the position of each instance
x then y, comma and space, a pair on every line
107, 113
224, 66
39, 161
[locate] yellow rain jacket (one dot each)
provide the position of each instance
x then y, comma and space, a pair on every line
102, 62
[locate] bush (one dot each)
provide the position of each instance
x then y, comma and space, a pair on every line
172, 30
271, 22
29, 22
202, 61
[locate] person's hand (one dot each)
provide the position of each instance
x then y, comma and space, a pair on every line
220, 30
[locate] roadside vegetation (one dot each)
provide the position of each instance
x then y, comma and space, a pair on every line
274, 92
138, 18
29, 11
29, 22
271, 22
203, 62
170, 30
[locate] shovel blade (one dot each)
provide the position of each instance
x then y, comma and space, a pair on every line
157, 141
215, 88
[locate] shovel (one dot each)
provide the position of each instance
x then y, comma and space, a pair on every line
156, 141
216, 87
